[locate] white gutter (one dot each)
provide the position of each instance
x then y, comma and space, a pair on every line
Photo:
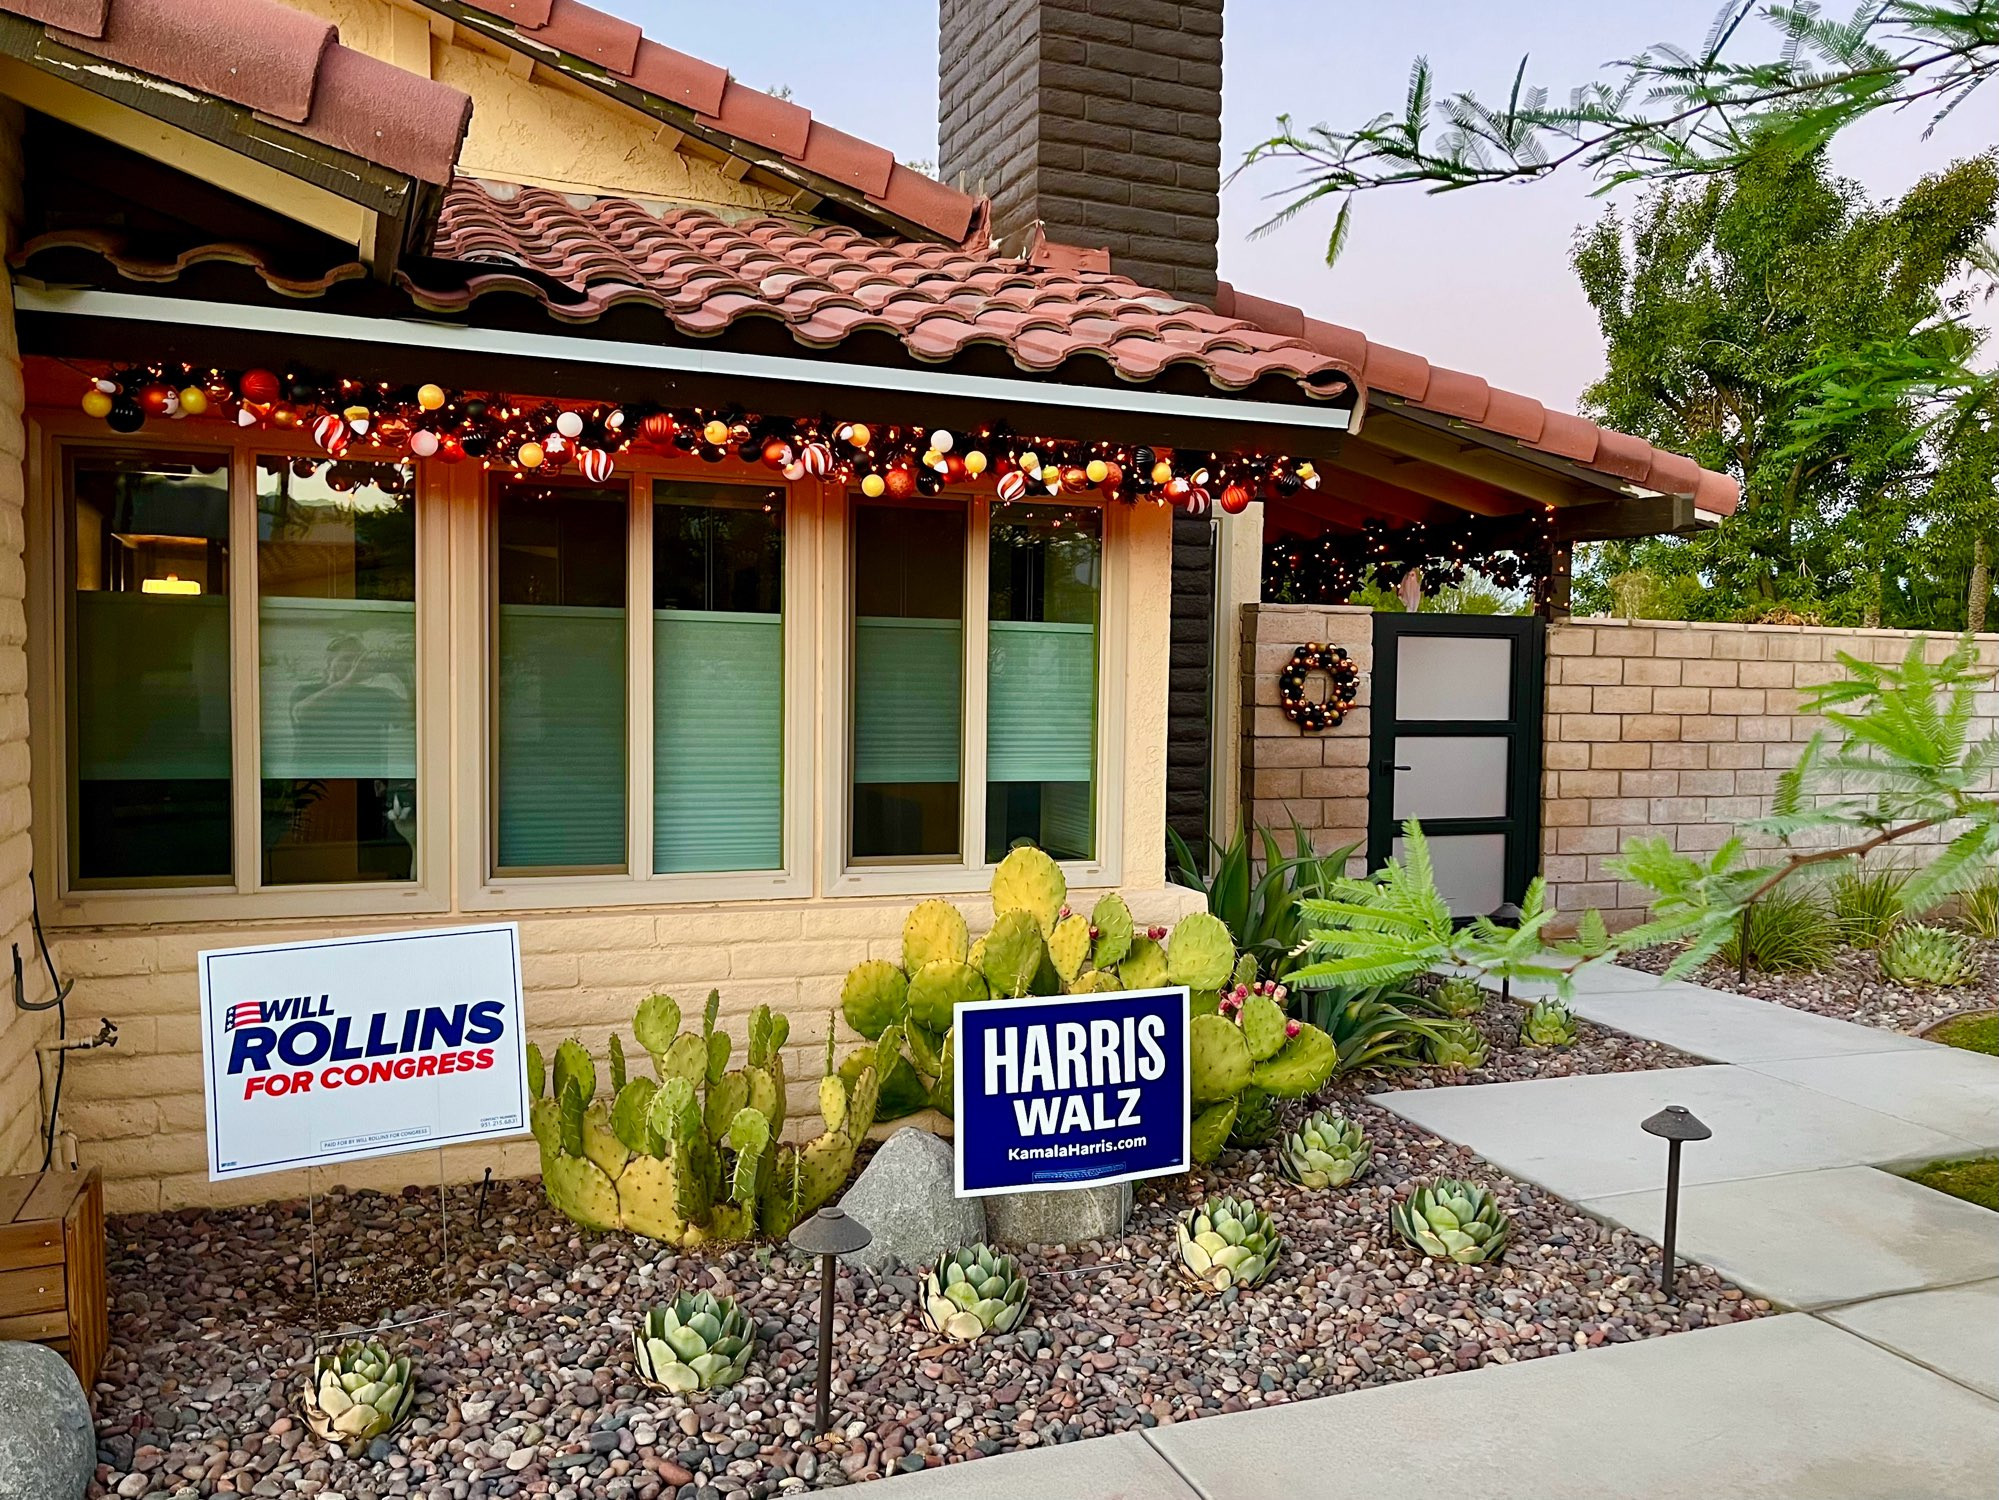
456, 338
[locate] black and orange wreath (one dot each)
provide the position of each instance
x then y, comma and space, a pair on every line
1317, 715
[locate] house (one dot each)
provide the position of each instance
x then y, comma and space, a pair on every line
473, 460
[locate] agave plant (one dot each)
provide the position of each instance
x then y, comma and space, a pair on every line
1918, 953
973, 1292
357, 1393
1327, 1151
1453, 1220
1548, 1023
1457, 998
696, 1342
1454, 1044
1227, 1242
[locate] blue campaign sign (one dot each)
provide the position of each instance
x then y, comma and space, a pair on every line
1071, 1091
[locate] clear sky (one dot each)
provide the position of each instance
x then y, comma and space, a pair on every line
1476, 280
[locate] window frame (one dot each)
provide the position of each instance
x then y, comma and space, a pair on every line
840, 875
53, 438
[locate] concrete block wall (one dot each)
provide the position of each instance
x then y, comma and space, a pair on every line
1318, 780
1680, 730
21, 1032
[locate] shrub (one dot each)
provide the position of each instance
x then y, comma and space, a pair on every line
1980, 911
1866, 904
1789, 932
1917, 953
1261, 911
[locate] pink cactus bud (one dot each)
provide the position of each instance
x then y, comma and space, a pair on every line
1292, 1028
1065, 913
1278, 992
1094, 934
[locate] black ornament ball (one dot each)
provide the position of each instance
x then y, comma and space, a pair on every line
686, 439
473, 410
476, 444
1288, 484
710, 454
1142, 460
124, 416
929, 482
303, 393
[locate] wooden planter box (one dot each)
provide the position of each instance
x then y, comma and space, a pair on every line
52, 1266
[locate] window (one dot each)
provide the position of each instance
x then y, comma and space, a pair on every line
718, 677
1041, 678
908, 596
148, 637
560, 672
336, 661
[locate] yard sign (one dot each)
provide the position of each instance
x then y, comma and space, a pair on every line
354, 1047
1073, 1091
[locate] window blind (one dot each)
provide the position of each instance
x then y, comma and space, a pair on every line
561, 725
338, 685
152, 687
718, 740
908, 677
1041, 695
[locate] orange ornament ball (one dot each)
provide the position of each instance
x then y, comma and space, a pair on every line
776, 454
1075, 481
873, 486
97, 403
716, 432
657, 428
1235, 499
193, 400
900, 483
1161, 472
1098, 470
975, 463
530, 456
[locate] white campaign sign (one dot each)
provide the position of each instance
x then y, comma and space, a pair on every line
364, 1046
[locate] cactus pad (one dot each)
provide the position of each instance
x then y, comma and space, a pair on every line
1069, 948
1200, 954
1245, 970
686, 1059
1300, 1066
874, 996
1218, 1059
1263, 1027
1096, 982
656, 1024
646, 1198
934, 932
628, 1115
1028, 880
1112, 919
600, 1142
1211, 1129
1144, 967
727, 1097
573, 1065
939, 987
537, 1071
580, 1188
1014, 950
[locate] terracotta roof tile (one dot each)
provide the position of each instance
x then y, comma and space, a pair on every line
280, 62
718, 101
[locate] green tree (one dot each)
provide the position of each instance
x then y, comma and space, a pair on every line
1732, 309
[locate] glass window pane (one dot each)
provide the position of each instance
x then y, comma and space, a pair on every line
1454, 677
560, 719
1450, 776
1470, 870
718, 677
336, 656
908, 703
148, 687
1041, 684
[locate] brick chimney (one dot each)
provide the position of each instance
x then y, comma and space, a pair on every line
1098, 120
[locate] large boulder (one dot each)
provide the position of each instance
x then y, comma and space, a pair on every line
907, 1198
48, 1444
1067, 1216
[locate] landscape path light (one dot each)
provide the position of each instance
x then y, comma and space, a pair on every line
828, 1234
1675, 1125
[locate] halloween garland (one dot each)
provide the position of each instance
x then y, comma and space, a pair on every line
1514, 552
1315, 715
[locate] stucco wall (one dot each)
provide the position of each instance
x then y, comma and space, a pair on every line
1316, 780
1680, 730
20, 1032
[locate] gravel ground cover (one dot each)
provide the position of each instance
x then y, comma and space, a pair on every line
1597, 1049
1852, 988
524, 1360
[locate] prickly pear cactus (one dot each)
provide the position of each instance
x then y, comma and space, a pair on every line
1028, 880
938, 988
934, 933
1014, 952
873, 997
1143, 966
1200, 953
1069, 948
1110, 931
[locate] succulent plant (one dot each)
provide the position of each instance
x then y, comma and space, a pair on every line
1327, 1151
1256, 1122
692, 1156
1918, 953
1458, 997
1454, 1044
357, 1393
1227, 1242
973, 1292
1236, 1056
1548, 1023
696, 1342
1452, 1220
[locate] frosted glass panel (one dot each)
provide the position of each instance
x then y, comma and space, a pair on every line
562, 735
1471, 871
1453, 677
1042, 701
338, 684
1450, 776
718, 726
152, 687
906, 699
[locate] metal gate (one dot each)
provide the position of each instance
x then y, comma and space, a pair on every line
1457, 746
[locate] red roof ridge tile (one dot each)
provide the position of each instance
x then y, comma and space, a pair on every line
286, 65
1454, 393
719, 102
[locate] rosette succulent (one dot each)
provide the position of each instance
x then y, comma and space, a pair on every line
1452, 1220
1327, 1151
1548, 1023
696, 1342
1458, 997
1918, 953
1227, 1242
973, 1292
357, 1393
1454, 1044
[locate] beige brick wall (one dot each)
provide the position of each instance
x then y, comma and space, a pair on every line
1680, 730
20, 1033
1320, 780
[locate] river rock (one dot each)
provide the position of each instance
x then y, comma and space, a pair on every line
907, 1200
1064, 1217
48, 1447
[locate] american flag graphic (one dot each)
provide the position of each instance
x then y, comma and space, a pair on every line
244, 1013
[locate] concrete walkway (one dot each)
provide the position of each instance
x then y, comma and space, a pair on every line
1885, 1382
